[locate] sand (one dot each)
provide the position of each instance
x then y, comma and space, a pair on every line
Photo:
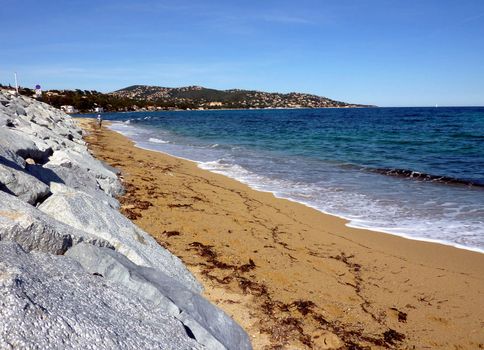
293, 277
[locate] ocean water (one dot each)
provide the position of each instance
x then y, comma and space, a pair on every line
414, 172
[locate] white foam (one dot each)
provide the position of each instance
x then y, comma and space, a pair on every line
305, 194
155, 140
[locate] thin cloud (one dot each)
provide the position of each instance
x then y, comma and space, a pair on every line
287, 19
142, 7
473, 18
249, 24
452, 25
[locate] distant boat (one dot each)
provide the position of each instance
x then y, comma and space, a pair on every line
436, 105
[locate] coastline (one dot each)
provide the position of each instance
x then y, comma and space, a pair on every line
348, 222
291, 275
429, 204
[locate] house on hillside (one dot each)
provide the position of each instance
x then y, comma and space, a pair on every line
69, 109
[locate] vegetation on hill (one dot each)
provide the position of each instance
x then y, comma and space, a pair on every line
197, 97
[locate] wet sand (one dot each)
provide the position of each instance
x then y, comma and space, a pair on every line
293, 277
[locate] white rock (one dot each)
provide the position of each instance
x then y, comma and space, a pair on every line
35, 230
84, 212
22, 145
210, 325
74, 177
16, 181
106, 179
50, 302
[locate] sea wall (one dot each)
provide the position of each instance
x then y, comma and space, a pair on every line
74, 272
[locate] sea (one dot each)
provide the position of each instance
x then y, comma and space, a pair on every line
412, 172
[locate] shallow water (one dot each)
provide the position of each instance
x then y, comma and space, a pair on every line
415, 172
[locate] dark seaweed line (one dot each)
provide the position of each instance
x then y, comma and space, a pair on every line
415, 175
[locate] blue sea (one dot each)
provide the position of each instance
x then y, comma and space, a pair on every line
413, 172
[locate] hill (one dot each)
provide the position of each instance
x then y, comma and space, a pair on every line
201, 97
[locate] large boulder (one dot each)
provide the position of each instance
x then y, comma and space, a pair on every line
74, 177
16, 181
3, 98
40, 120
209, 325
5, 120
15, 107
53, 119
10, 158
35, 230
50, 302
52, 138
22, 145
84, 212
107, 180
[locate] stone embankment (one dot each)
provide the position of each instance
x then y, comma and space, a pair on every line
74, 272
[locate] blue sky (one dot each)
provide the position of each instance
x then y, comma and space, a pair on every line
384, 52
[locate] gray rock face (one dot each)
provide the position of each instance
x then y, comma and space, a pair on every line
10, 158
74, 178
5, 121
44, 137
210, 325
49, 302
21, 184
84, 212
106, 179
16, 108
21, 145
3, 100
34, 230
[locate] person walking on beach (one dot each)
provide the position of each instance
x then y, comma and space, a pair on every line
99, 120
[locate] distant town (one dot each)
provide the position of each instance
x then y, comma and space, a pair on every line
153, 98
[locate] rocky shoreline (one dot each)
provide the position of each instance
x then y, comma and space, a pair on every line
74, 272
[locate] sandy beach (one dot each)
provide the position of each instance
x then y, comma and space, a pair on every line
293, 277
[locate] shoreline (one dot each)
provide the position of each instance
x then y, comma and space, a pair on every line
297, 269
349, 222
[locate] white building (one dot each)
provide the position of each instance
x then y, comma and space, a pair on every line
215, 104
69, 109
